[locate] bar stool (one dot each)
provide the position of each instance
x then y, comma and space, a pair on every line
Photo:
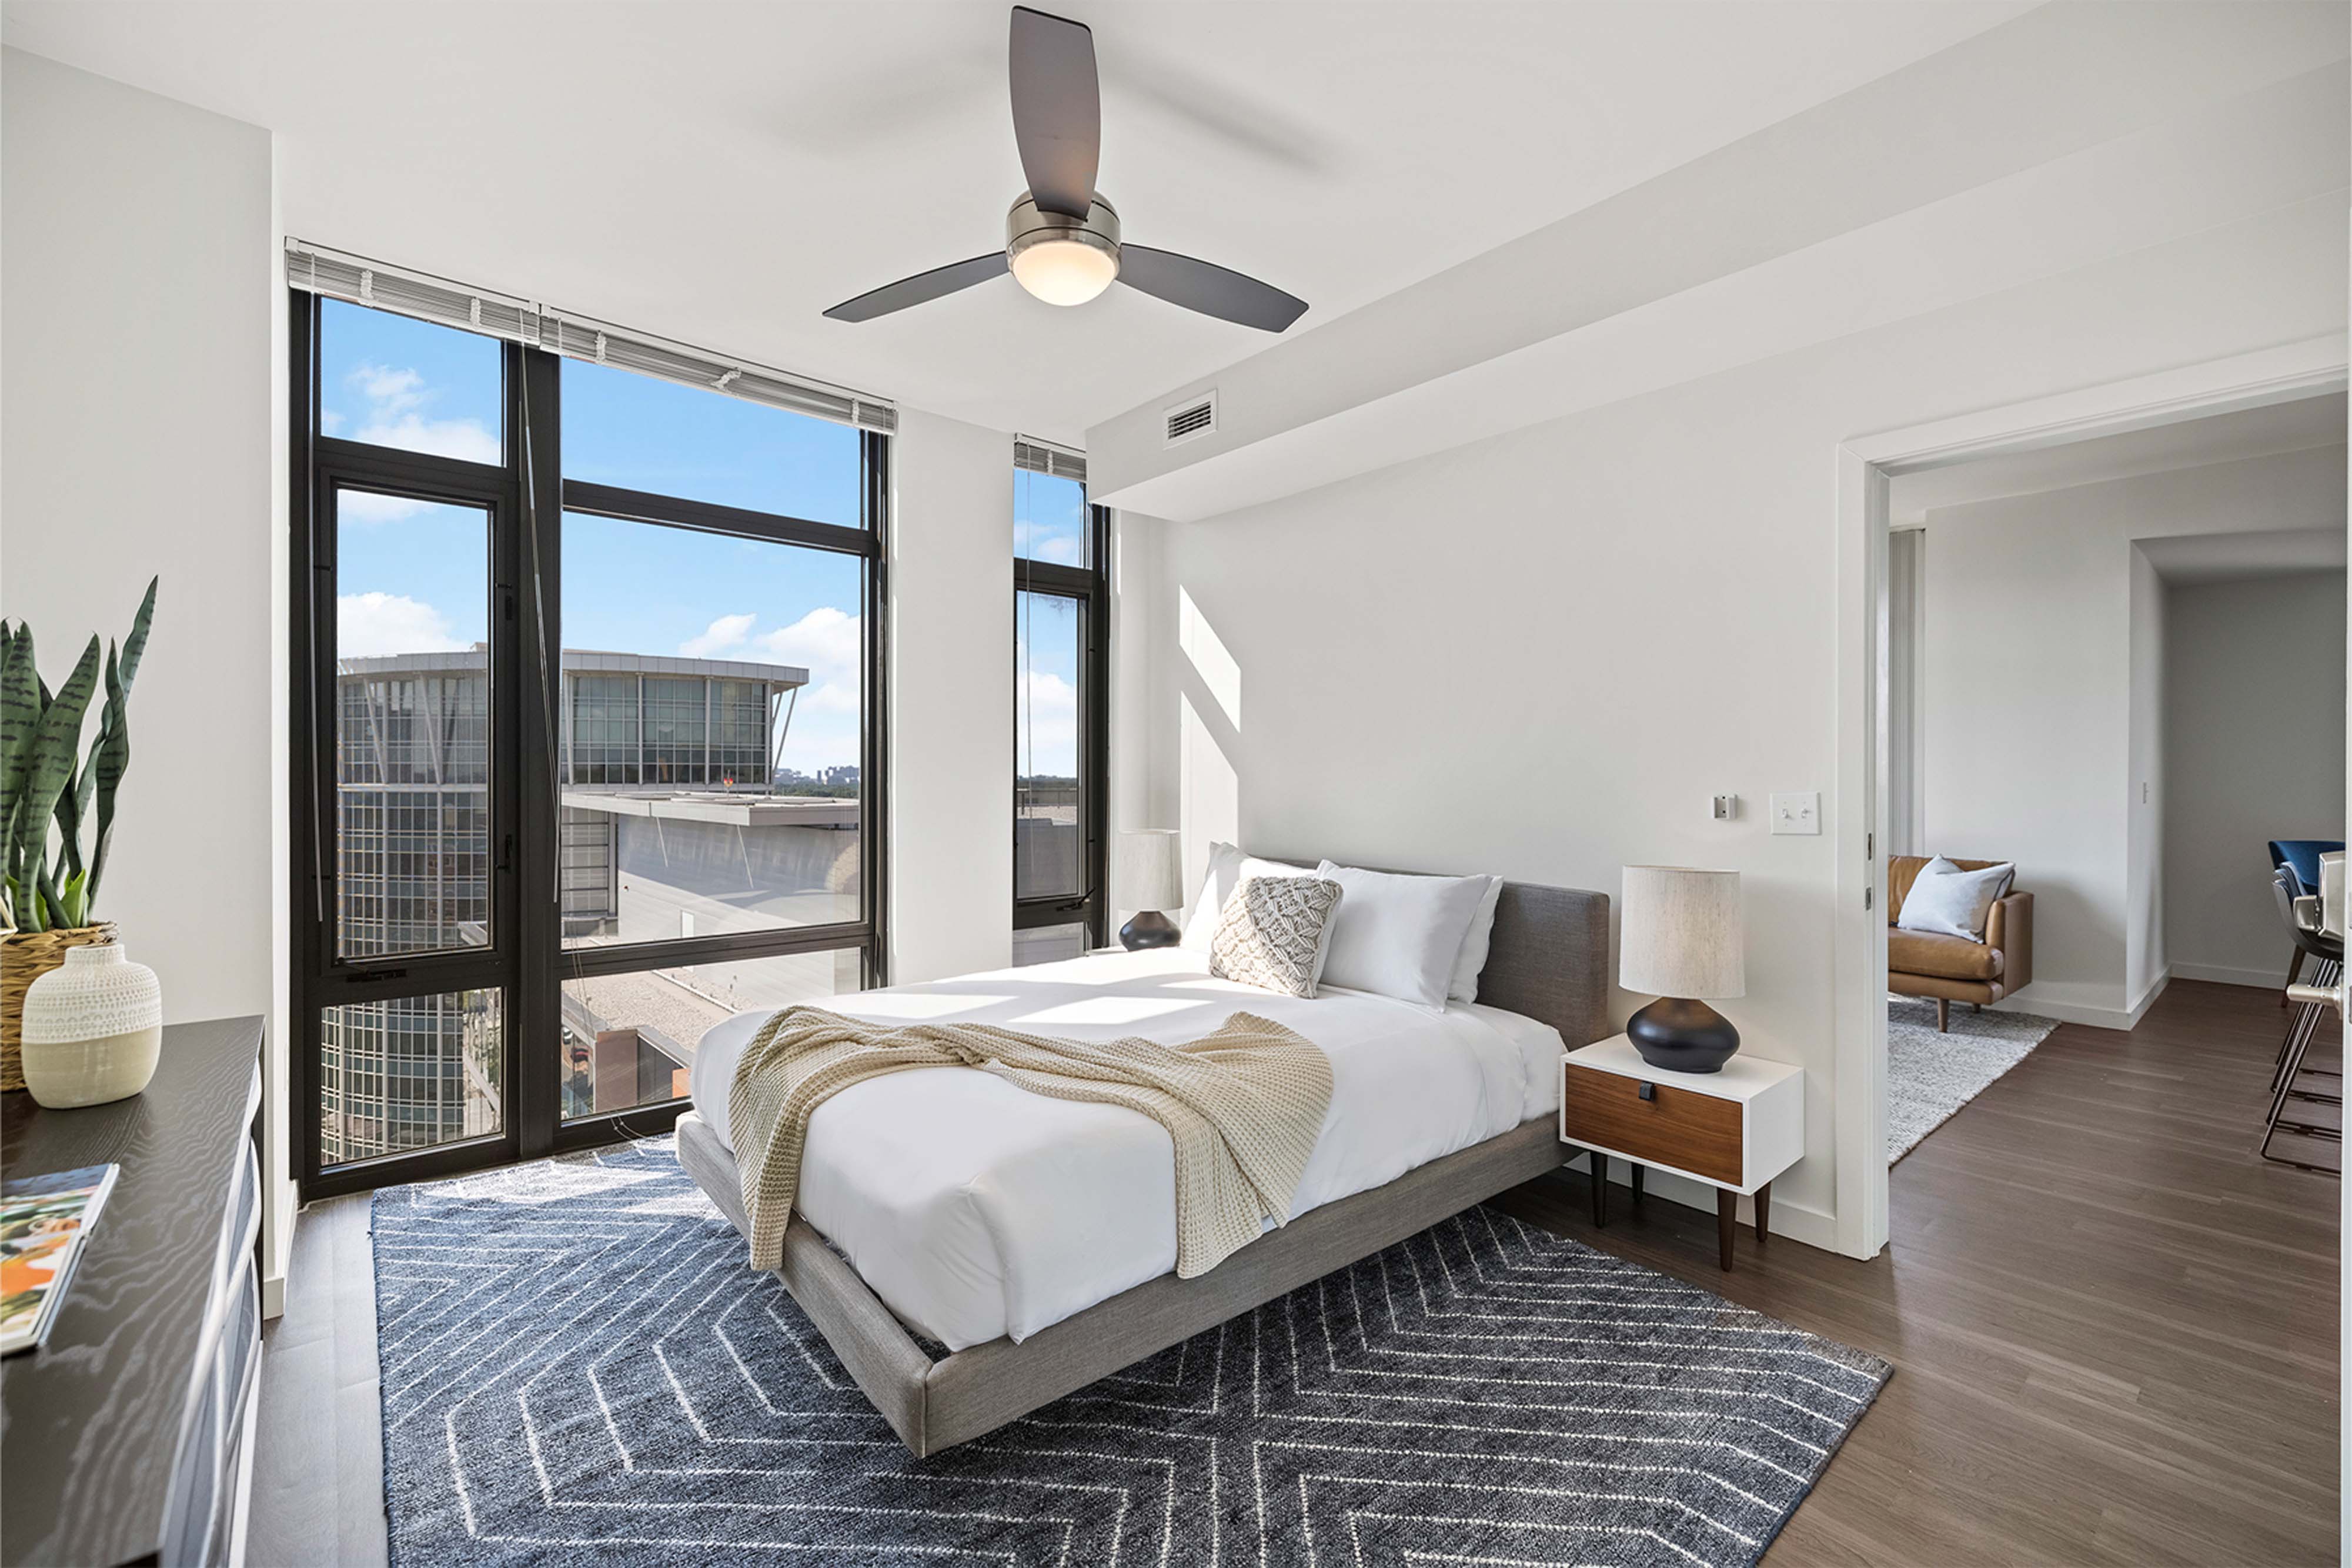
2300, 857
2300, 911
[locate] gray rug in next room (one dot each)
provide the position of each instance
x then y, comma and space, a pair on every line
1931, 1075
577, 1368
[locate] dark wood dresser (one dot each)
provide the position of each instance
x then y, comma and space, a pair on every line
127, 1437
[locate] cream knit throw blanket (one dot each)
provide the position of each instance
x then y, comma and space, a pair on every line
1244, 1105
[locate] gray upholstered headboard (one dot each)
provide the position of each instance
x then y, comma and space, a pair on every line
1549, 958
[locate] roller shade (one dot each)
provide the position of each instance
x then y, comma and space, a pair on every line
1039, 457
317, 270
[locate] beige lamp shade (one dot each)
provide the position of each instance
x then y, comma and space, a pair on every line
1148, 875
1680, 933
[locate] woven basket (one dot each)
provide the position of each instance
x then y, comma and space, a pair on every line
25, 956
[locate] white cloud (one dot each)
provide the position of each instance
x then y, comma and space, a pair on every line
1045, 724
397, 402
721, 637
371, 625
392, 391
1062, 548
462, 438
830, 644
367, 507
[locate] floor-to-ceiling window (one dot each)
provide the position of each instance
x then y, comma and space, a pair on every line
586, 749
1059, 624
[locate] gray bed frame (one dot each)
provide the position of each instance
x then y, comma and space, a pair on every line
1549, 959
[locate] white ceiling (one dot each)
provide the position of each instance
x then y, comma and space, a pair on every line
720, 174
2293, 427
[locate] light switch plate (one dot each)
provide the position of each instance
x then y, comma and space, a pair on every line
1798, 812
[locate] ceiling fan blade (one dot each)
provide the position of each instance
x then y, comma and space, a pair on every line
921, 288
1212, 290
1056, 109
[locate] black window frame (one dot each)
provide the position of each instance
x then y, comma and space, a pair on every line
525, 959
1089, 586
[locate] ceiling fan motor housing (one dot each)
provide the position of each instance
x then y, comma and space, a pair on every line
1029, 225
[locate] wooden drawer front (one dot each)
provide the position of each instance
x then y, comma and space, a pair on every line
1695, 1132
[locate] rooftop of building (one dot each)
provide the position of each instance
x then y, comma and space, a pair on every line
576, 661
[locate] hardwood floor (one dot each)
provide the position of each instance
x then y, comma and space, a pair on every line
317, 1453
2114, 1327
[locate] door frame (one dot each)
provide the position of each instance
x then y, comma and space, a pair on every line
1864, 463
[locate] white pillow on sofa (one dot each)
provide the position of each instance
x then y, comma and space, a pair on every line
1400, 935
1946, 900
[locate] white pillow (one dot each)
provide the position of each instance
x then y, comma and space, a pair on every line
1946, 900
1227, 866
1400, 935
1475, 946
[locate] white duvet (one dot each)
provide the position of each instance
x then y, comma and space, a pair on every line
976, 1210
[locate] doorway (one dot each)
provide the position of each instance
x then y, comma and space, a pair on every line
1869, 468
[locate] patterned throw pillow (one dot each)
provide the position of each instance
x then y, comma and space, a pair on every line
1270, 933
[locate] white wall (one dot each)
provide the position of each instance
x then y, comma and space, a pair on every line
2028, 664
950, 712
141, 434
1142, 786
2040, 613
1540, 652
2254, 751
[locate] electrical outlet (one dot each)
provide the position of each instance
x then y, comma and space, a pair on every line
1797, 812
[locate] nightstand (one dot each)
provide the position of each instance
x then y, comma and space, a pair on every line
1735, 1130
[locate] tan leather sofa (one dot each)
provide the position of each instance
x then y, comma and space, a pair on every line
1953, 968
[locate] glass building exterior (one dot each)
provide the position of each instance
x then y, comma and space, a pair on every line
672, 823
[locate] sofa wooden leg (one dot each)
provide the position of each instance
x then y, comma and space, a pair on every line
1943, 1014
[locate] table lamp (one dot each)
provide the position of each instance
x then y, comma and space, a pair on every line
1680, 940
1149, 877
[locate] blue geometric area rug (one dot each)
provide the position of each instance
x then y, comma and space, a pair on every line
579, 1367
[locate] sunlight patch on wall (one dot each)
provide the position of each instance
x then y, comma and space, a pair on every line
1218, 669
1210, 808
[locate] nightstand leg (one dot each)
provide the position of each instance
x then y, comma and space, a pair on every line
1635, 1166
1726, 1210
1599, 1187
1763, 1214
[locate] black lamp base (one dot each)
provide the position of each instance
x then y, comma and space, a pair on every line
1683, 1036
1149, 928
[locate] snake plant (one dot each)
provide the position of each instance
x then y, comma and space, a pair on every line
47, 780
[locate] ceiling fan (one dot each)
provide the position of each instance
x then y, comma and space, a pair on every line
1062, 239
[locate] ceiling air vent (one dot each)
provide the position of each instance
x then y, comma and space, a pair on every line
1193, 417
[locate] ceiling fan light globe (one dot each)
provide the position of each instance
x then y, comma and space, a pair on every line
1065, 271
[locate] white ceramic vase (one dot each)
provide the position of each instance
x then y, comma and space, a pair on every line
93, 1029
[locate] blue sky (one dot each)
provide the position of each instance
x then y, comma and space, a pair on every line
413, 578
1048, 518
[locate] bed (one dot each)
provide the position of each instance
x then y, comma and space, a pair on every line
972, 1251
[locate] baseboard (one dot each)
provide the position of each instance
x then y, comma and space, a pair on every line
273, 1286
1794, 1221
2227, 975
2035, 999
